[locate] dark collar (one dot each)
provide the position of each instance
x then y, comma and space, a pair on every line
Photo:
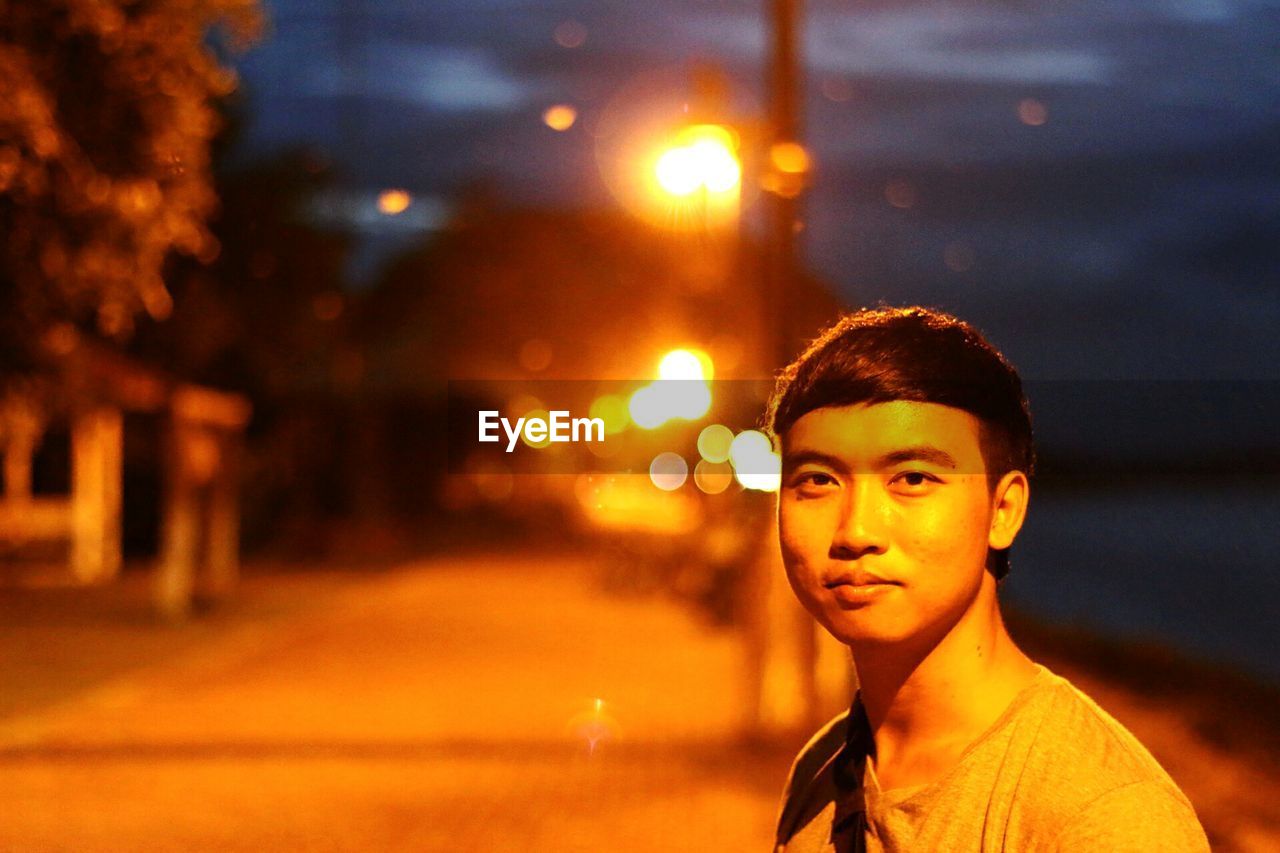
848, 765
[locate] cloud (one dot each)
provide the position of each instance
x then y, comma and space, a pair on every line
1201, 11
447, 78
948, 43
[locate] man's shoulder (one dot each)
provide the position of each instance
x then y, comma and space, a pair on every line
799, 795
1057, 767
817, 753
1083, 740
1087, 768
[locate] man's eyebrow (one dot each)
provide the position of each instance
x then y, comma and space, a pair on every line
918, 453
805, 456
915, 453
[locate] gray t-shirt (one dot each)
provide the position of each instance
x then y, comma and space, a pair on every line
1054, 772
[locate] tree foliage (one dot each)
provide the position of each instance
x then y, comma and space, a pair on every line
268, 316
106, 117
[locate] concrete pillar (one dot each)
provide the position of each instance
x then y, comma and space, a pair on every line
97, 474
782, 647
180, 533
22, 429
18, 451
222, 549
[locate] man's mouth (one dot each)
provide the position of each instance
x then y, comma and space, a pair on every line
859, 589
859, 580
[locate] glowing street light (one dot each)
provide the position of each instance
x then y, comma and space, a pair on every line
682, 390
686, 364
704, 157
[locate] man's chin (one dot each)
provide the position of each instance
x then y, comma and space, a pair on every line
866, 632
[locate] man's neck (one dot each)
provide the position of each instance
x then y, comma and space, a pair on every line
925, 705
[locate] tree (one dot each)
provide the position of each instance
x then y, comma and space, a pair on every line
267, 318
106, 118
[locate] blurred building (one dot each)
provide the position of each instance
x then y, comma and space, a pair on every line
74, 408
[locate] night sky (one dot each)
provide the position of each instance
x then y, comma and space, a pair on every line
1095, 184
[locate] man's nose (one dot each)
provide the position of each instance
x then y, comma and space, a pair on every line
860, 528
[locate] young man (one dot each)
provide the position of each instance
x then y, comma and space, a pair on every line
906, 447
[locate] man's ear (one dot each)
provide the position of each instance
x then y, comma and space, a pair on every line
1008, 509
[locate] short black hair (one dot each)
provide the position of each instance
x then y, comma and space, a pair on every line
876, 355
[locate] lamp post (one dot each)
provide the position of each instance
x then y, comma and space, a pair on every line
786, 172
784, 653
791, 666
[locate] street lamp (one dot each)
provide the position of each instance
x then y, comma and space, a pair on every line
705, 158
701, 169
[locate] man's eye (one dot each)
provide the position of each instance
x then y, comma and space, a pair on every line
815, 478
915, 480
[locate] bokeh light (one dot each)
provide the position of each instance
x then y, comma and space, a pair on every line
545, 438
714, 442
535, 355
790, 157
681, 391
712, 477
747, 446
653, 405
629, 502
1032, 113
523, 403
754, 463
570, 34
560, 117
668, 471
613, 411
646, 409
899, 193
392, 202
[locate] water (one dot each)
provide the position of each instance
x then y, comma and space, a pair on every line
1192, 567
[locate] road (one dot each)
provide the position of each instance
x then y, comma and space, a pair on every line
462, 703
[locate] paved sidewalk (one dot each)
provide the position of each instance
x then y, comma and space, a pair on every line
447, 705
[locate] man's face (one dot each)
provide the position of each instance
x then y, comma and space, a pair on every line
885, 518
